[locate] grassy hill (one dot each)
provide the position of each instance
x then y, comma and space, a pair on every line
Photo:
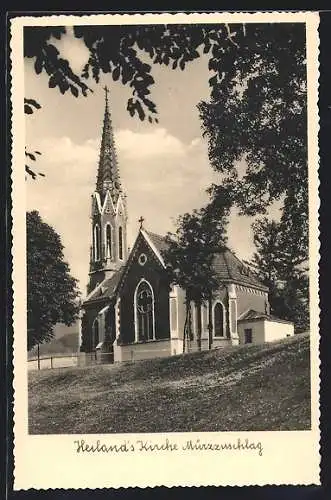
243, 388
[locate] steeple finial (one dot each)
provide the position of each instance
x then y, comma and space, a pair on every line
108, 175
106, 95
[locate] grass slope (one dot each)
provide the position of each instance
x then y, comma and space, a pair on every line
244, 388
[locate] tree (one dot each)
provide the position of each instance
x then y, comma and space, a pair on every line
280, 263
189, 259
52, 293
257, 116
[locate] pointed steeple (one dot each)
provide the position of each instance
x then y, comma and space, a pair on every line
108, 178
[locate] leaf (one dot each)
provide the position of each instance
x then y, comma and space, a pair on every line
74, 90
140, 110
213, 81
116, 73
52, 82
38, 65
27, 109
30, 155
30, 172
32, 102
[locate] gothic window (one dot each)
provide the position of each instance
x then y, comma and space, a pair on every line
95, 333
97, 242
144, 305
108, 242
120, 243
218, 320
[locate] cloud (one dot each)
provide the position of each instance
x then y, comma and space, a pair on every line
156, 144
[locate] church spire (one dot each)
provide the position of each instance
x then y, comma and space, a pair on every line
108, 175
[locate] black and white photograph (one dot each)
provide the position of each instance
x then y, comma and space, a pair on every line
167, 211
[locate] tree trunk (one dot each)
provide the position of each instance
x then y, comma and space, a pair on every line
38, 356
185, 333
199, 325
210, 322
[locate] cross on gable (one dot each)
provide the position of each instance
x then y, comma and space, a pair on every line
141, 220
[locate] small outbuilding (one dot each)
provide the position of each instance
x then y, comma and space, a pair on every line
256, 327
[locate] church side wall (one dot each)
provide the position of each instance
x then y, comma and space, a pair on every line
249, 298
146, 350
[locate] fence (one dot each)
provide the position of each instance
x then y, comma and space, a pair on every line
53, 361
68, 360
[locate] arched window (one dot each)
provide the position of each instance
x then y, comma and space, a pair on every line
218, 320
120, 243
144, 312
95, 333
97, 242
108, 242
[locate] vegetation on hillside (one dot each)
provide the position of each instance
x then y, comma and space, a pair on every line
246, 388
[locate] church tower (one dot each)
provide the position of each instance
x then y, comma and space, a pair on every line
109, 214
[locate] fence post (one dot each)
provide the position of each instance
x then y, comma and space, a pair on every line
51, 362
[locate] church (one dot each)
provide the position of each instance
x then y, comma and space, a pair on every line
132, 312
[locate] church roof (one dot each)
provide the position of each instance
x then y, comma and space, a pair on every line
227, 265
157, 240
107, 288
229, 268
252, 315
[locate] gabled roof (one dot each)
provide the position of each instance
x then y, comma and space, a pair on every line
229, 268
105, 289
227, 265
253, 315
158, 241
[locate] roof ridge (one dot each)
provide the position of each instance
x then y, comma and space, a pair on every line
155, 234
227, 264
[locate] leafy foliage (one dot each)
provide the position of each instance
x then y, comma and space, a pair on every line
123, 51
190, 253
258, 116
280, 263
52, 291
38, 46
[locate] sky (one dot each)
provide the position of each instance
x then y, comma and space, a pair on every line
164, 167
